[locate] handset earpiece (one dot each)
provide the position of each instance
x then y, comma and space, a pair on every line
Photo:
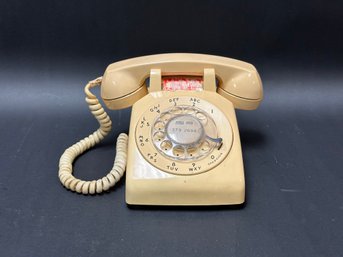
242, 86
121, 88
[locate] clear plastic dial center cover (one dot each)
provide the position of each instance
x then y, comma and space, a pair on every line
185, 130
184, 133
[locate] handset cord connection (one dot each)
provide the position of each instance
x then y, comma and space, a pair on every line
65, 172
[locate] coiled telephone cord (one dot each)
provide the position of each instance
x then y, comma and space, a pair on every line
65, 172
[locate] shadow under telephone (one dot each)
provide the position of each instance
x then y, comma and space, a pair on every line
183, 146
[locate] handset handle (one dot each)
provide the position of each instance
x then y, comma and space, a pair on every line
123, 81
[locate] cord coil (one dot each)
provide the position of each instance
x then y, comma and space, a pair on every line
65, 172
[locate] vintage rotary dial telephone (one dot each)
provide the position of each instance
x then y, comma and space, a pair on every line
183, 146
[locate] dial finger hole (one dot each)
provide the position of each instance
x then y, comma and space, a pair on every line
176, 110
159, 136
202, 117
179, 151
166, 145
165, 117
205, 147
192, 151
159, 125
190, 111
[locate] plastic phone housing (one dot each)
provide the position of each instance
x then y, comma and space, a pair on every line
221, 184
154, 177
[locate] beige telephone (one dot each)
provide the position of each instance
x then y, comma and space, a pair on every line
183, 146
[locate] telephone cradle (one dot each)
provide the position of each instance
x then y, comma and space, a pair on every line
183, 146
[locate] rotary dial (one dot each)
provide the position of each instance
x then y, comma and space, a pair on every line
183, 135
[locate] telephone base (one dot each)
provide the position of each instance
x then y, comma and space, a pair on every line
170, 197
223, 185
152, 179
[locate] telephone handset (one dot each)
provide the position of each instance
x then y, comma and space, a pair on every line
183, 146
